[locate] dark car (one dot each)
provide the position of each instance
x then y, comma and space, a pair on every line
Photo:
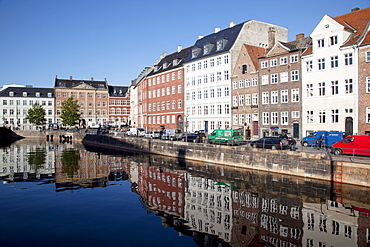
271, 142
190, 137
103, 130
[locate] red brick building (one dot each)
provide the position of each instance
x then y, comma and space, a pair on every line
364, 86
119, 106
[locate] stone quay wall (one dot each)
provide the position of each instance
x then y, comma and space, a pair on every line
302, 164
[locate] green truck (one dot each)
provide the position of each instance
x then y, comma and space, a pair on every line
226, 136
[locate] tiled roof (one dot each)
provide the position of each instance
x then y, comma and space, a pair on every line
31, 92
117, 91
357, 21
229, 34
68, 83
255, 52
308, 50
171, 61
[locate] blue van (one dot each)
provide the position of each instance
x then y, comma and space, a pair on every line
327, 138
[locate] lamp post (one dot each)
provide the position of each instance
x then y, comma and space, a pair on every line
186, 128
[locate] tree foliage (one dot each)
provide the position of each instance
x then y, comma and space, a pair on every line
36, 115
70, 159
37, 158
70, 112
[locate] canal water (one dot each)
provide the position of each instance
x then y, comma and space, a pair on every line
70, 194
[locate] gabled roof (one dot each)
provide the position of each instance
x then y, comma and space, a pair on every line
117, 91
31, 92
69, 83
254, 53
357, 21
230, 35
171, 61
295, 45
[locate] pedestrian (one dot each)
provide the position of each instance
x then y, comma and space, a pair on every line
320, 142
292, 144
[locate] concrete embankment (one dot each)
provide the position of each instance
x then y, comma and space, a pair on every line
303, 164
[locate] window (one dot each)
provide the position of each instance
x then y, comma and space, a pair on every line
255, 99
284, 118
254, 82
284, 96
283, 60
294, 75
309, 117
348, 86
241, 83
227, 91
321, 63
235, 100
226, 75
226, 59
265, 118
273, 62
294, 59
212, 62
265, 79
247, 99
274, 78
334, 87
348, 59
205, 110
368, 84
264, 64
334, 61
367, 56
295, 114
309, 66
219, 92
321, 88
309, 88
212, 77
199, 94
179, 104
274, 118
247, 82
235, 119
244, 69
212, 93
295, 95
274, 97
333, 40
367, 114
220, 44
235, 85
205, 94
335, 116
320, 43
284, 77
265, 97
322, 116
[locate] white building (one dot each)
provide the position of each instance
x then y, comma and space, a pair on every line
330, 74
16, 101
208, 71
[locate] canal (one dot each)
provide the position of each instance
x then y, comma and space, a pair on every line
68, 194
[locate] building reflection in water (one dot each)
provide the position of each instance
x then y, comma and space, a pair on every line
217, 206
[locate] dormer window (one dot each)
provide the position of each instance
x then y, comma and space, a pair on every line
207, 48
50, 95
37, 94
176, 61
195, 52
24, 94
11, 93
221, 43
165, 65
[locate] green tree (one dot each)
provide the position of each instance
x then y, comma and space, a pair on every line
70, 112
36, 115
70, 160
37, 158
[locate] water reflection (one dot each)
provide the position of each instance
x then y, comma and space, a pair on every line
215, 205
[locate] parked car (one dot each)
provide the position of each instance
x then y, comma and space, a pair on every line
354, 145
171, 134
271, 142
190, 137
103, 130
152, 134
322, 138
226, 136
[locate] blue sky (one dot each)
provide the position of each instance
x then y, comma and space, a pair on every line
116, 39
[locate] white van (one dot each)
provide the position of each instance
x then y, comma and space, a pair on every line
136, 132
93, 125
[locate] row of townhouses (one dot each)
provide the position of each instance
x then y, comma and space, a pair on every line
246, 76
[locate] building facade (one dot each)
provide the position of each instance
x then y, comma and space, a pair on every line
281, 88
208, 71
330, 100
364, 87
119, 106
16, 101
92, 97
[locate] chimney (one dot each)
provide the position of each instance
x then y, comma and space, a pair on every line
200, 37
56, 77
105, 79
92, 78
179, 48
232, 24
164, 54
355, 9
299, 36
217, 29
271, 37
70, 78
